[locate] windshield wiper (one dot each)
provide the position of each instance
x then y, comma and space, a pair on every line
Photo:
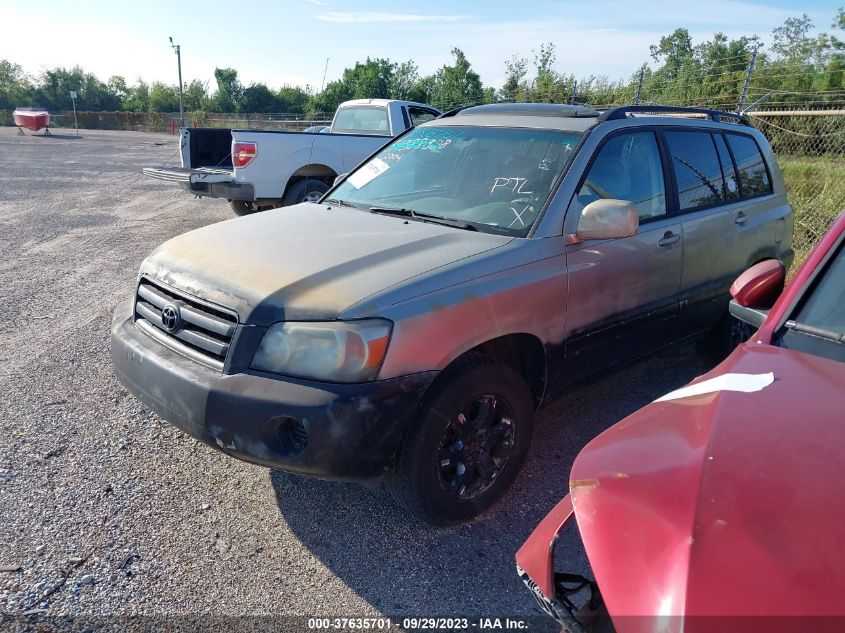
424, 217
828, 335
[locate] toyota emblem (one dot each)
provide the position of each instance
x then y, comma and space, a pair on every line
170, 317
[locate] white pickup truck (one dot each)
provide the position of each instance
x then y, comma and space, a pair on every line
257, 170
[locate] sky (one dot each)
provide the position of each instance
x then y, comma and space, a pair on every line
289, 42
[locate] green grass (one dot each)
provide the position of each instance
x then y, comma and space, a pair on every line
815, 187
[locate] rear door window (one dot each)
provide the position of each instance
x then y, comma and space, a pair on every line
753, 176
627, 167
698, 173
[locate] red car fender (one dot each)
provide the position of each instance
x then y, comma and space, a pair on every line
536, 556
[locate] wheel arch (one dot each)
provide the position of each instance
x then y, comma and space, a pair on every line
317, 171
522, 352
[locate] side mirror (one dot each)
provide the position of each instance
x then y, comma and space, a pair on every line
759, 286
340, 178
755, 291
608, 219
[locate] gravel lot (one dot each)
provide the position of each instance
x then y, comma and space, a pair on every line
109, 511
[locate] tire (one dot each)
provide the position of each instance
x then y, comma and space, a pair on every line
306, 190
242, 207
467, 444
245, 207
724, 338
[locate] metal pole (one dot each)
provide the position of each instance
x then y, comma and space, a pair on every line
75, 121
747, 81
178, 50
181, 107
639, 87
574, 92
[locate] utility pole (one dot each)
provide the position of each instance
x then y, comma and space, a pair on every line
73, 97
639, 87
747, 81
177, 48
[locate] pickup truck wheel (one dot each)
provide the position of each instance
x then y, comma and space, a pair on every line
467, 444
242, 207
724, 338
307, 190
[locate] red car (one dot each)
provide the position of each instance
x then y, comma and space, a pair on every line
723, 501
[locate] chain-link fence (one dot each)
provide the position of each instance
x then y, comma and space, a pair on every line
170, 121
810, 146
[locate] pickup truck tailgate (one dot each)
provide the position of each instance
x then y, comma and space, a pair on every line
190, 176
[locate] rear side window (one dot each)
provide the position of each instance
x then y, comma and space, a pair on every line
753, 176
698, 172
628, 168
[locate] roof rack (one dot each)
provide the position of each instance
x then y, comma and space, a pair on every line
534, 109
623, 112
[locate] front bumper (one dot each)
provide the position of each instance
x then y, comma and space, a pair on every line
351, 432
555, 591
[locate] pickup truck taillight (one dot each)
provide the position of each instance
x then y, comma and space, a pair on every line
243, 153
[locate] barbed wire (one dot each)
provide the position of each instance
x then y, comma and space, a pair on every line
795, 132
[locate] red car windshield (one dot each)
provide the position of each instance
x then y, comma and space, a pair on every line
817, 326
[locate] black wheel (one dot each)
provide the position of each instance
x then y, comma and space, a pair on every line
242, 207
467, 444
307, 190
724, 338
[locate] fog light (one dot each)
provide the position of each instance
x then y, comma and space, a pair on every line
292, 436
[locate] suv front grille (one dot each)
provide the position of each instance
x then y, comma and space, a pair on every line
192, 327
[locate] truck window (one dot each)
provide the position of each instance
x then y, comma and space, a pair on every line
418, 116
362, 120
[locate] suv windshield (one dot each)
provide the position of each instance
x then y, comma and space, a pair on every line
818, 325
496, 179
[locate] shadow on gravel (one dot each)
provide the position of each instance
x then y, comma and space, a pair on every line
404, 567
58, 137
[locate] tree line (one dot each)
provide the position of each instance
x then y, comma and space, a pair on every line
800, 65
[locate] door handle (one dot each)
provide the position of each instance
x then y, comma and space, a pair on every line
669, 238
741, 218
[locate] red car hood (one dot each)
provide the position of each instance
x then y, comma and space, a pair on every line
726, 503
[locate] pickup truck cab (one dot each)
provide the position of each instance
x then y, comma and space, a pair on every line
257, 170
410, 323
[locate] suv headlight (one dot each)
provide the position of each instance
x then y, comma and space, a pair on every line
334, 351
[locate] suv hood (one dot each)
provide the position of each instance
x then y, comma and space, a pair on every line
306, 262
725, 503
